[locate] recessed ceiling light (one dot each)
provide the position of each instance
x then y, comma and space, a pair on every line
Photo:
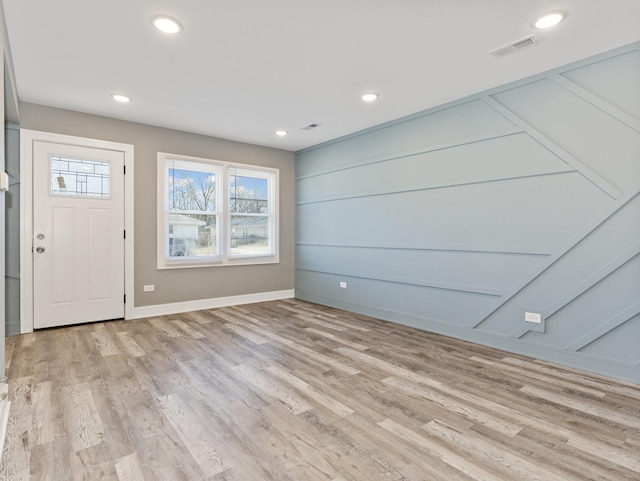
370, 97
166, 24
121, 98
281, 133
548, 20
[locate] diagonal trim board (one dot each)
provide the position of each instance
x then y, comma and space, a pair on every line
486, 291
502, 249
593, 279
569, 245
410, 153
422, 187
601, 330
583, 287
597, 102
593, 177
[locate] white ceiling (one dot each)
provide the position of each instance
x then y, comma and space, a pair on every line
243, 68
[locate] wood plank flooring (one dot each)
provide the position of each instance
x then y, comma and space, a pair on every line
292, 391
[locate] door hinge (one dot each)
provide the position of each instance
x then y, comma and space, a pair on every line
125, 234
124, 169
125, 298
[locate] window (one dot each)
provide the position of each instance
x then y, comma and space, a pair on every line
215, 213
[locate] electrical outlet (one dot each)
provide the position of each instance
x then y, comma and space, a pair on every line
149, 288
343, 285
533, 317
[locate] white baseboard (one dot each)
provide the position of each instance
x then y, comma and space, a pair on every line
200, 304
4, 420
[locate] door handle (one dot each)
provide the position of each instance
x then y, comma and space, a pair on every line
39, 249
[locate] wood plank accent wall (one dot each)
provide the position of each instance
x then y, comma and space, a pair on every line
459, 219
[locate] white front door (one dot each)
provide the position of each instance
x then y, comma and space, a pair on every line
78, 234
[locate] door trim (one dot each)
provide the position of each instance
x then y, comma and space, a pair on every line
27, 139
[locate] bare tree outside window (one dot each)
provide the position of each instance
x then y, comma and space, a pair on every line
248, 195
192, 190
192, 213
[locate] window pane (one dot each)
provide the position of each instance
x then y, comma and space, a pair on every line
248, 195
78, 177
192, 190
192, 235
249, 235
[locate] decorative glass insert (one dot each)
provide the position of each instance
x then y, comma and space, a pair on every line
79, 177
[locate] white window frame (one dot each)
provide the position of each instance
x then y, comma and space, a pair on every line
270, 177
223, 172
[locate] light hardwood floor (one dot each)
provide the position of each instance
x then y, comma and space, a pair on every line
292, 391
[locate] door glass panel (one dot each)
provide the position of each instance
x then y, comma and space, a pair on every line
79, 177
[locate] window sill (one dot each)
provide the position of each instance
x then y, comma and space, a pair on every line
245, 261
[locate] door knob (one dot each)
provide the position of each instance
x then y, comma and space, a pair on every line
39, 249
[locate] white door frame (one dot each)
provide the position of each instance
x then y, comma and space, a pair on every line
27, 139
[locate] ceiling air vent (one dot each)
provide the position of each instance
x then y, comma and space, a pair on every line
311, 126
515, 46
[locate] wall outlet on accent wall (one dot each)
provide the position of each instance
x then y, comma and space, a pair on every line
533, 317
343, 285
149, 288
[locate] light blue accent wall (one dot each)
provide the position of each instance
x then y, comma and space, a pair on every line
459, 219
12, 239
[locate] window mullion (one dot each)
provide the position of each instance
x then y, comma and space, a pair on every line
226, 218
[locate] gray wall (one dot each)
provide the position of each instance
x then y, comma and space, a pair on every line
180, 285
459, 219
